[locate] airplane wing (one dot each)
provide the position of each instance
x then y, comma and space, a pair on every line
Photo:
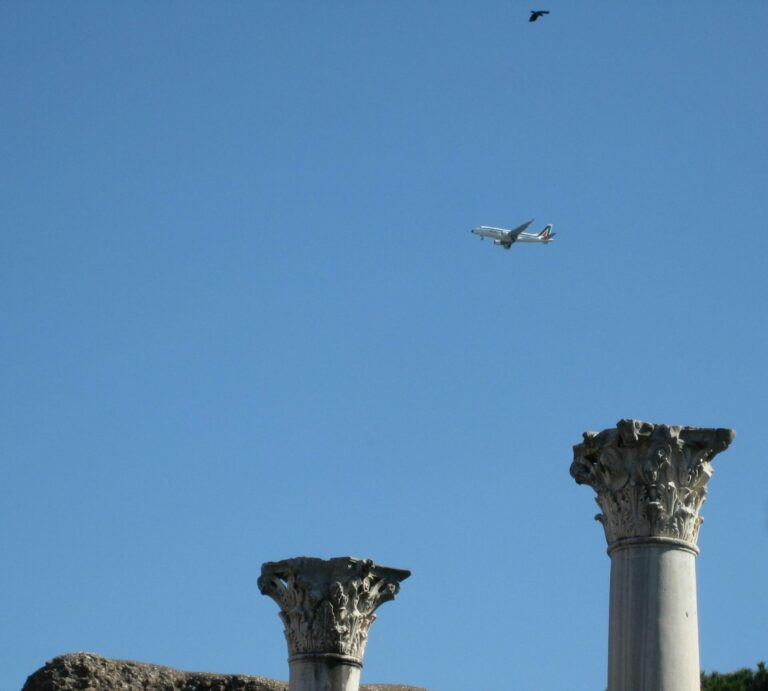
513, 234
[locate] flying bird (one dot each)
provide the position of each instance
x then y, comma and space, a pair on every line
535, 14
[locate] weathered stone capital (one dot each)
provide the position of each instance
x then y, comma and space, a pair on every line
650, 479
327, 606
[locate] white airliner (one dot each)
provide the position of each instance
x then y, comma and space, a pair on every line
505, 237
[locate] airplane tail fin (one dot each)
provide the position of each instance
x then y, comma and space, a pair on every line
547, 233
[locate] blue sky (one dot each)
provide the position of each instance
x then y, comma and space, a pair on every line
243, 319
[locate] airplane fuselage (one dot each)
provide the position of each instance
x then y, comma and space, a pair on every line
506, 237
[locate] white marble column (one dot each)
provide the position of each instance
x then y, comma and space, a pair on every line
327, 607
651, 482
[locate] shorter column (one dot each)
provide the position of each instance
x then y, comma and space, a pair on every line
327, 607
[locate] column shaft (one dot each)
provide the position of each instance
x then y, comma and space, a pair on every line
653, 619
323, 674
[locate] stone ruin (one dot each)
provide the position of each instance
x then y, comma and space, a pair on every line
650, 482
90, 672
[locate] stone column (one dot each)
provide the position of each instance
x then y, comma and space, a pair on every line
327, 607
651, 482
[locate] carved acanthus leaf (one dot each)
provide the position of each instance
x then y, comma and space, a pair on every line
327, 606
650, 479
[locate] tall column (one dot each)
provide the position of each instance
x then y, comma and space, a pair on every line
651, 482
327, 607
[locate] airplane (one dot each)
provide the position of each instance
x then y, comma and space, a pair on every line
505, 237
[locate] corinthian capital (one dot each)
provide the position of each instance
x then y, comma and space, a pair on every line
327, 606
650, 479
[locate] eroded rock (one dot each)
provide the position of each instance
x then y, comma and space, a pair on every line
91, 672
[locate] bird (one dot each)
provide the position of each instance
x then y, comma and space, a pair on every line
535, 14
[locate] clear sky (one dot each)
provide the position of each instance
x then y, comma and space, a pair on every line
243, 319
